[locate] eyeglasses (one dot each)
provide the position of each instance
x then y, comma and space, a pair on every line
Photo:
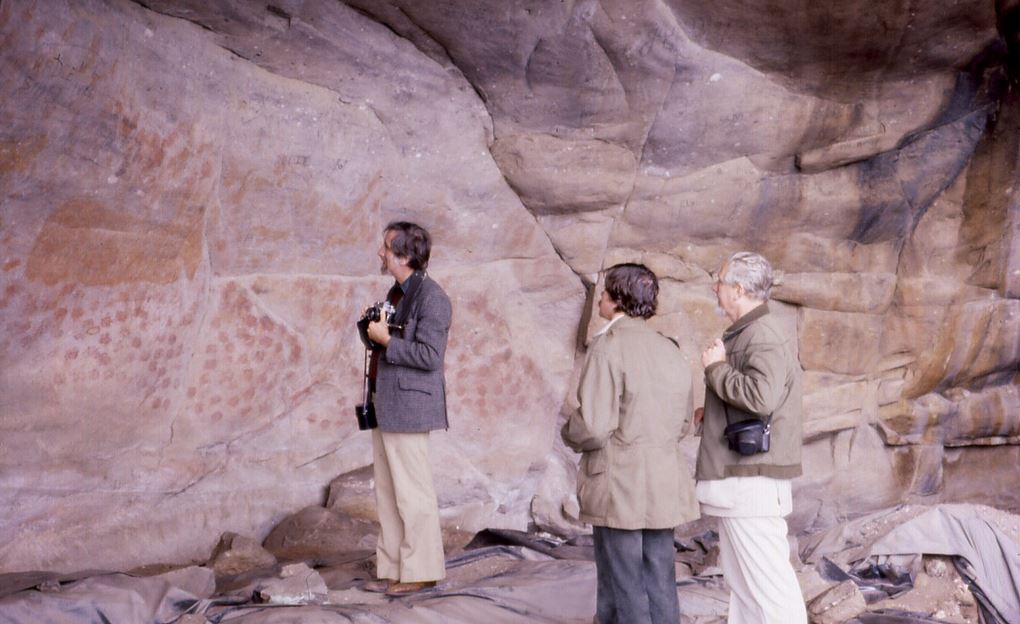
718, 281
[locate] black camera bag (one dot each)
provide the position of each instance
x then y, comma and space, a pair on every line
748, 436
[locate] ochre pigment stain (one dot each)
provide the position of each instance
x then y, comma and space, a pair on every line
17, 156
88, 244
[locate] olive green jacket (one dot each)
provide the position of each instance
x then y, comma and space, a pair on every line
636, 403
760, 376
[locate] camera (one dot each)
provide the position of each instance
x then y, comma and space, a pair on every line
373, 314
374, 311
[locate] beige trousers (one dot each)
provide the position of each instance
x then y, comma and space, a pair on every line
410, 547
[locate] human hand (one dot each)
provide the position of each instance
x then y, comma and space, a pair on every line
699, 415
379, 331
713, 354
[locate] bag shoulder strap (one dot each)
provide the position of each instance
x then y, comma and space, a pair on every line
729, 420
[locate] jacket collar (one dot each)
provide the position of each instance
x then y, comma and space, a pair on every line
746, 320
624, 322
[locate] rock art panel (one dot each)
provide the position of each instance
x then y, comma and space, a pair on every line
188, 247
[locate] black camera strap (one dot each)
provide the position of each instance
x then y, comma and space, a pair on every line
406, 301
368, 380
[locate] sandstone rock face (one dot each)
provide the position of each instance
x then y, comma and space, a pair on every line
191, 195
188, 240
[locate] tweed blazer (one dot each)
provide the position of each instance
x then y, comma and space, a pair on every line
410, 388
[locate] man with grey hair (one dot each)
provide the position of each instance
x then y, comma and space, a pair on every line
752, 377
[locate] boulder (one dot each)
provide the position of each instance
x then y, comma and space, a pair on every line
838, 604
316, 534
235, 554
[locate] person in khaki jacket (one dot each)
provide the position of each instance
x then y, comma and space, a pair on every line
634, 485
751, 373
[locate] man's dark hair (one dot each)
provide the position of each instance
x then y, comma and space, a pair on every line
634, 288
412, 241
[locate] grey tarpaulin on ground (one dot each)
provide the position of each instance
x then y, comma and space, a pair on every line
985, 556
111, 598
530, 586
535, 589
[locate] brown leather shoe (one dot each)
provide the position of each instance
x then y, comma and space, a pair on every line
406, 589
379, 586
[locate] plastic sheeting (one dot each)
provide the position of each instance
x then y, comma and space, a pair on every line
878, 550
110, 598
509, 577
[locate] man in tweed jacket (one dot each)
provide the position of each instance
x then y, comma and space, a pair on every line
410, 401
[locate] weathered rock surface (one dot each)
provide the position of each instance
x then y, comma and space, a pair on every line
297, 585
237, 554
841, 603
191, 195
316, 534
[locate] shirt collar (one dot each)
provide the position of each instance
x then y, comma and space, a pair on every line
407, 283
609, 324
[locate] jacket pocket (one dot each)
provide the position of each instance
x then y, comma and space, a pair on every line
417, 385
593, 486
595, 462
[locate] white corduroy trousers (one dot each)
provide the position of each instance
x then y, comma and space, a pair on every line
753, 551
755, 559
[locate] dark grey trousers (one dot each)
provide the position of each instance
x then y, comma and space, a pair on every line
636, 576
